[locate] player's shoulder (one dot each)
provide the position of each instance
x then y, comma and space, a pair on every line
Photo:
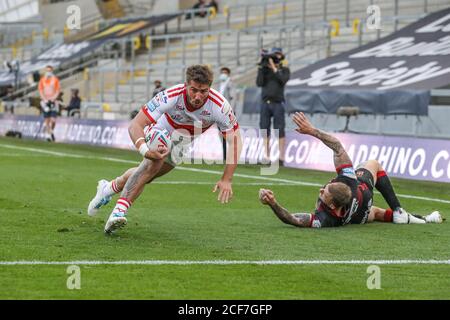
324, 219
174, 91
167, 97
219, 104
217, 98
346, 170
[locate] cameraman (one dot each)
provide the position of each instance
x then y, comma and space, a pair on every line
272, 77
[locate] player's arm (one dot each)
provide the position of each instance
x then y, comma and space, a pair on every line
148, 115
299, 220
230, 130
233, 153
304, 126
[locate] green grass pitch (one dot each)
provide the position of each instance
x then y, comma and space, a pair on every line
43, 201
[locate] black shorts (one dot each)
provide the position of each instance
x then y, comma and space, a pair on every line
275, 110
365, 176
50, 114
49, 109
365, 186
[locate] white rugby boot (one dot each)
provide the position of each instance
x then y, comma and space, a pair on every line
100, 199
402, 217
434, 217
116, 220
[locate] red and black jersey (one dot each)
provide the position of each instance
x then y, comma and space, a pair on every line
357, 211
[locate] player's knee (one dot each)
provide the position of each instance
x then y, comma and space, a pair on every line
152, 167
372, 165
375, 163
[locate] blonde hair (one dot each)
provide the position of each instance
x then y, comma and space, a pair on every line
341, 194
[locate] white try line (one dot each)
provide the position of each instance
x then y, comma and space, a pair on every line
234, 183
215, 172
228, 262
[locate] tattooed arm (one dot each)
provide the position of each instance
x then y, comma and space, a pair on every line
299, 220
304, 126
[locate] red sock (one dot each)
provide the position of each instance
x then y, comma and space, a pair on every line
122, 205
388, 215
381, 173
114, 186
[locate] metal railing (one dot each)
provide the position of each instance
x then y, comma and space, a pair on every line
264, 13
257, 13
362, 35
169, 53
84, 62
241, 56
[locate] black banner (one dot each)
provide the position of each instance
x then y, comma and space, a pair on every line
125, 27
392, 75
415, 57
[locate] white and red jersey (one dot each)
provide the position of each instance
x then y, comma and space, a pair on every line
171, 110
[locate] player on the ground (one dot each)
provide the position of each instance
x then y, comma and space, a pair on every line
347, 199
189, 109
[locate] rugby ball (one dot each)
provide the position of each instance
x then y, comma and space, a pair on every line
155, 137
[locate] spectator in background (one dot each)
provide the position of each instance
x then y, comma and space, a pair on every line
158, 88
75, 104
60, 103
272, 77
49, 90
36, 76
9, 100
214, 4
201, 4
226, 88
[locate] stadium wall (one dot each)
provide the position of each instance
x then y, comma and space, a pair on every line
403, 157
166, 6
54, 15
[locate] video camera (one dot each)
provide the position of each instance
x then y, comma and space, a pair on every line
266, 55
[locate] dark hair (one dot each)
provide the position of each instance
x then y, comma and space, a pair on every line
49, 66
341, 194
225, 69
199, 73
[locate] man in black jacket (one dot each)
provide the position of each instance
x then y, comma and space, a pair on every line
272, 77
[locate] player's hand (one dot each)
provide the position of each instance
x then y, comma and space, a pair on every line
304, 125
225, 191
267, 197
158, 154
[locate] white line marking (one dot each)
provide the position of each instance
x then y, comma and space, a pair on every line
225, 262
300, 183
19, 155
234, 183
